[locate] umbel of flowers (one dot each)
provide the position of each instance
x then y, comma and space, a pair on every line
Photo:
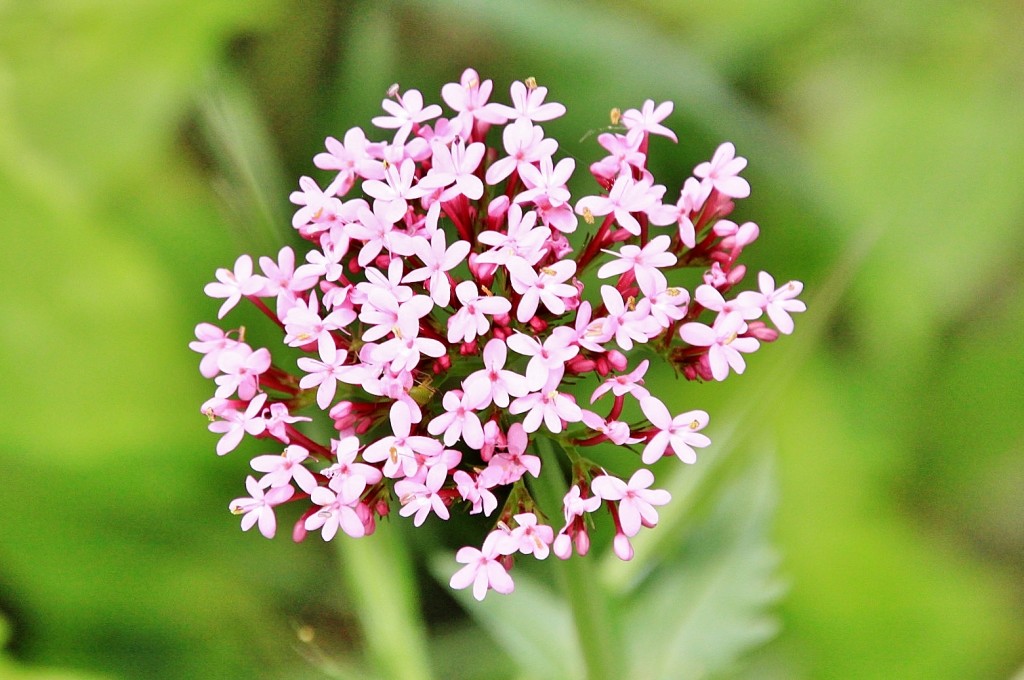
443, 320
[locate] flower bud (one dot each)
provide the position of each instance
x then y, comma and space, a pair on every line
622, 547
562, 547
616, 359
758, 329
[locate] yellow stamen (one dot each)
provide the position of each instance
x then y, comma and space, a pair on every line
588, 216
615, 115
531, 83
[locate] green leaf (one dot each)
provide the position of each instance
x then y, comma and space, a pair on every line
706, 605
249, 175
533, 625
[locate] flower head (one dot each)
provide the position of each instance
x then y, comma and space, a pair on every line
444, 326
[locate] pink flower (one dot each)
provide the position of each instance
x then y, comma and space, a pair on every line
547, 359
643, 262
383, 313
406, 111
710, 298
678, 435
401, 453
280, 278
278, 420
626, 323
475, 489
587, 332
546, 183
211, 342
352, 159
377, 229
616, 431
691, 201
458, 420
509, 467
259, 507
522, 238
630, 383
723, 172
391, 283
483, 567
438, 260
546, 286
723, 343
304, 326
493, 383
469, 97
525, 145
636, 501
338, 509
455, 166
669, 305
471, 319
549, 406
233, 285
626, 197
528, 104
316, 203
625, 155
326, 262
345, 451
648, 120
404, 351
326, 373
531, 538
779, 303
574, 506
420, 498
235, 424
282, 469
394, 192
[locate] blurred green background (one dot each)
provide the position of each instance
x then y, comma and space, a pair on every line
144, 144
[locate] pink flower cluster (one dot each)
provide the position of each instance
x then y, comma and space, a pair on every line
443, 322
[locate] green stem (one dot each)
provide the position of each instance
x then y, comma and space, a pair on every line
378, 573
583, 590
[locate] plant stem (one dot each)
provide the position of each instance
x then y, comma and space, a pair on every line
378, 574
583, 590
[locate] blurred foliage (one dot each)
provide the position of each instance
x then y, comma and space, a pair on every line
145, 144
